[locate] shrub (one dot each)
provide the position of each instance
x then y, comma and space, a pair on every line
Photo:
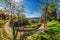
52, 23
1, 23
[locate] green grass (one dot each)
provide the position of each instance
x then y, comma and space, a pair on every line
30, 27
2, 22
52, 23
50, 34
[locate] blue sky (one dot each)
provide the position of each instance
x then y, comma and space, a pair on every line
30, 7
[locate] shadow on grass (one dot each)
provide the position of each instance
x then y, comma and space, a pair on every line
29, 33
24, 36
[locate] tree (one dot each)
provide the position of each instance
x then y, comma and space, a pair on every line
2, 15
58, 16
46, 10
14, 8
31, 21
20, 10
52, 11
10, 4
21, 21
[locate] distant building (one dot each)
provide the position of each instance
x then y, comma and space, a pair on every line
58, 16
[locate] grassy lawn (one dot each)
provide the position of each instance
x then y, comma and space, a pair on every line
30, 27
52, 23
50, 34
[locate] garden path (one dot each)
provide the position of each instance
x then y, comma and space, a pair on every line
9, 31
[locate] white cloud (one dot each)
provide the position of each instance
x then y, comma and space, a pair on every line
35, 14
17, 0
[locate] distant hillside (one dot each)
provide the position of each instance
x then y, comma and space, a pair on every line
34, 18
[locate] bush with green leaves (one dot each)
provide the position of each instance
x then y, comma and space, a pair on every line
52, 23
